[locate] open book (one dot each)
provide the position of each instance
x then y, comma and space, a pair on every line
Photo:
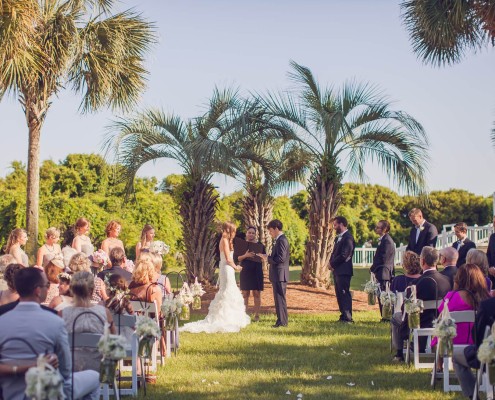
241, 246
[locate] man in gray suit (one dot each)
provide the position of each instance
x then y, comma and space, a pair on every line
46, 334
279, 270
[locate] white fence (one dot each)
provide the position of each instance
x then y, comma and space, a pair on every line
363, 256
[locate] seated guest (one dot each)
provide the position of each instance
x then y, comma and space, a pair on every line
469, 291
53, 269
142, 286
490, 254
412, 271
5, 260
46, 333
160, 278
10, 294
117, 258
464, 361
80, 262
82, 286
64, 299
118, 301
448, 258
478, 257
463, 244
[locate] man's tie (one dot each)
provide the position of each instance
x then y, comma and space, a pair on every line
418, 231
459, 244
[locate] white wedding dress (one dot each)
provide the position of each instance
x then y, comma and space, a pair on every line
227, 312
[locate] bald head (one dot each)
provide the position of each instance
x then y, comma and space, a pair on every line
450, 256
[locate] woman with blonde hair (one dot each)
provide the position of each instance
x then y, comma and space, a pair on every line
227, 312
159, 278
142, 286
52, 270
80, 262
82, 286
17, 238
81, 241
50, 249
147, 236
112, 230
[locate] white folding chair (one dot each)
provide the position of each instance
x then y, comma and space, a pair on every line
150, 310
416, 333
459, 317
91, 340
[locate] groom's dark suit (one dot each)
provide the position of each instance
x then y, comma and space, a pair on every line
279, 276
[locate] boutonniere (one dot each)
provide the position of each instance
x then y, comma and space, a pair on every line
421, 228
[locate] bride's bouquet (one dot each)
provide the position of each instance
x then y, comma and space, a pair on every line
99, 259
43, 382
159, 247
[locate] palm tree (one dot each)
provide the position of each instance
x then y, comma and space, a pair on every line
212, 143
442, 31
344, 131
46, 45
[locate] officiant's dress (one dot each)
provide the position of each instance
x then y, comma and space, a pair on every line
251, 276
227, 312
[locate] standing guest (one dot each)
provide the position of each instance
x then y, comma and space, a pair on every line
448, 258
52, 270
478, 257
422, 233
341, 266
147, 236
81, 241
64, 299
279, 270
490, 253
50, 249
17, 238
112, 230
161, 279
80, 262
46, 334
117, 259
463, 244
82, 285
251, 275
384, 258
10, 294
5, 261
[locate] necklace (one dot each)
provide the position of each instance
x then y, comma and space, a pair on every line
50, 250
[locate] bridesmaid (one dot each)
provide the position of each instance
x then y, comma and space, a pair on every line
17, 238
81, 242
112, 230
251, 276
147, 236
50, 249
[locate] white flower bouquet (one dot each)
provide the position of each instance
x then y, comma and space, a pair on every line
371, 288
412, 306
129, 265
159, 247
185, 294
112, 347
197, 291
146, 327
171, 309
44, 382
388, 298
486, 352
100, 257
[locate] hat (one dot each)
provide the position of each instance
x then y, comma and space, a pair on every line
58, 261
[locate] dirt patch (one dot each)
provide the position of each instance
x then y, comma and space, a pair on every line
300, 300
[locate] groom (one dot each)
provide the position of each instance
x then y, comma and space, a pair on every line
279, 270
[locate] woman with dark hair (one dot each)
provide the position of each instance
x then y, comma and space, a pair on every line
251, 276
118, 302
10, 294
64, 299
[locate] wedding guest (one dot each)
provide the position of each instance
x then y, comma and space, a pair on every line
81, 241
52, 270
50, 249
112, 230
412, 271
161, 279
118, 301
422, 233
80, 262
82, 286
463, 244
448, 258
5, 261
117, 259
10, 294
147, 236
64, 299
17, 238
251, 276
469, 291
490, 253
142, 286
46, 333
478, 257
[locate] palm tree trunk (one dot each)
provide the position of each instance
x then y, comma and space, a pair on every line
257, 211
324, 201
198, 216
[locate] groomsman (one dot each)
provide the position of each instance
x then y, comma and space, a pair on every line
463, 244
422, 233
279, 270
341, 266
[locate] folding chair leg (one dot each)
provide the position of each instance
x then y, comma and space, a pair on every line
143, 374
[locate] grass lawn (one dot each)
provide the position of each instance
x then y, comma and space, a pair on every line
264, 363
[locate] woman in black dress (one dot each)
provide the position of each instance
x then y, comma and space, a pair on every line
252, 274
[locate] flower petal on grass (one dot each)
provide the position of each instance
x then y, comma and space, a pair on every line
329, 377
372, 383
203, 380
288, 392
216, 383
299, 396
350, 384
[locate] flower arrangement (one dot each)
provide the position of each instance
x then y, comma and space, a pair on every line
486, 352
197, 291
159, 247
186, 298
146, 327
112, 347
129, 265
388, 298
413, 307
43, 382
65, 275
100, 257
171, 309
371, 288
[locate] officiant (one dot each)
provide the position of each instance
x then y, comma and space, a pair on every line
251, 275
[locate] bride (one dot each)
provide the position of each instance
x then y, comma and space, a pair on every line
227, 312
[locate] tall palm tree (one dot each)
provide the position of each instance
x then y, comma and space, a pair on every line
47, 45
442, 31
344, 131
203, 146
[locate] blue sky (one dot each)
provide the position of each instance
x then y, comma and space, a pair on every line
249, 44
